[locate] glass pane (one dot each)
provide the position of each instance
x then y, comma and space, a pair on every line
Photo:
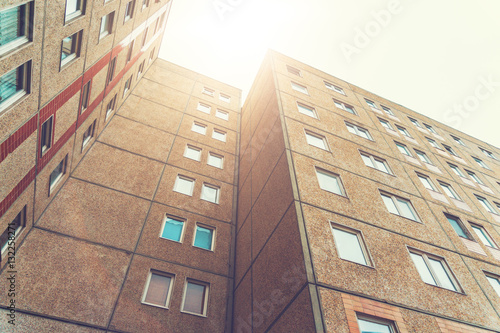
307, 111
199, 129
483, 236
203, 238
403, 150
209, 193
425, 181
104, 24
192, 153
351, 129
158, 290
9, 84
364, 134
54, 176
422, 269
172, 229
15, 225
390, 204
458, 228
444, 279
184, 186
350, 109
495, 284
405, 208
219, 136
72, 6
328, 182
338, 104
12, 24
371, 327
315, 141
486, 205
381, 166
368, 161
348, 246
194, 298
215, 161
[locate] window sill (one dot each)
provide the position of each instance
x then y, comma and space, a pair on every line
73, 16
13, 100
56, 184
14, 45
68, 61
155, 305
200, 248
194, 314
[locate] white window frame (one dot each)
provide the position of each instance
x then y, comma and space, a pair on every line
474, 177
490, 277
430, 128
486, 204
303, 108
111, 70
483, 235
145, 4
310, 134
345, 107
480, 162
80, 4
84, 104
222, 134
129, 10
205, 296
184, 178
361, 243
7, 233
190, 150
203, 107
128, 85
404, 131
456, 170
140, 70
336, 177
373, 159
334, 88
25, 37
426, 180
293, 70
214, 187
449, 191
23, 85
216, 156
379, 321
458, 140
357, 130
110, 107
55, 183
461, 225
170, 287
415, 122
488, 153
396, 201
422, 156
371, 104
208, 91
403, 147
385, 124
199, 125
46, 135
225, 98
107, 28
88, 135
450, 150
433, 143
387, 110
224, 115
300, 88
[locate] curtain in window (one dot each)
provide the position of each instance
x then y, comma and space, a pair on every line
11, 24
203, 238
8, 85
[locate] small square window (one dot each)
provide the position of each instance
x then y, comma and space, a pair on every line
334, 88
403, 149
350, 245
403, 131
210, 193
371, 104
225, 98
129, 10
110, 107
46, 135
458, 140
127, 86
458, 226
316, 140
130, 51
426, 182
144, 38
106, 25
376, 163
74, 9
293, 70
434, 270
208, 91
204, 107
16, 27
375, 325
222, 114
195, 298
172, 229
85, 96
423, 156
192, 152
387, 110
13, 229
307, 110
299, 88
184, 185
456, 170
204, 237
385, 124
57, 174
449, 191
359, 131
345, 107
430, 128
329, 182
415, 122
494, 280
399, 206
199, 128
158, 289
219, 135
111, 70
14, 85
483, 235
70, 48
88, 135
215, 160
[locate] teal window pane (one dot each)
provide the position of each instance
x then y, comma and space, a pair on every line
203, 238
8, 85
458, 228
12, 24
172, 230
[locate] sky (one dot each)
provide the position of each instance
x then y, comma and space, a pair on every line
438, 58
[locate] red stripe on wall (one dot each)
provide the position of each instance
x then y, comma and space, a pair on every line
17, 191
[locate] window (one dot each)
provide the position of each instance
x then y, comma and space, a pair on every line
450, 150
433, 143
399, 206
293, 70
359, 131
70, 48
415, 122
334, 88
152, 54
130, 51
129, 10
192, 152
74, 8
329, 182
156, 25
14, 85
458, 140
299, 88
219, 135
88, 135
376, 163
458, 226
184, 185
208, 91
199, 128
222, 114
403, 149
495, 282
403, 131
371, 104
434, 270
158, 289
57, 174
488, 153
316, 140
46, 135
16, 26
387, 110
423, 156
210, 193
480, 162
474, 177
456, 170
203, 107
111, 70
215, 160
350, 245
483, 235
429, 127
204, 237
172, 229
110, 107
449, 191
85, 96
225, 98
375, 325
127, 85
145, 4
13, 229
386, 124
195, 297
486, 204
141, 69
144, 38
426, 182
106, 25
344, 106
307, 110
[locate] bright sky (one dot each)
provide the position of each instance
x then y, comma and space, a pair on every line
438, 58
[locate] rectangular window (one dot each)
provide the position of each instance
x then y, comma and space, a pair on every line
199, 128
46, 135
204, 237
106, 25
415, 122
156, 25
433, 143
316, 140
210, 193
449, 191
307, 110
450, 150
426, 182
350, 245
359, 131
343, 106
70, 48
192, 152
145, 4
16, 26
483, 235
423, 156
152, 54
158, 289
488, 153
403, 131
13, 229
495, 282
129, 10
293, 70
375, 325
172, 229
219, 135
127, 85
208, 91
203, 107
399, 206
195, 297
458, 140
329, 182
480, 162
130, 51
222, 114
110, 107
74, 9
225, 98
387, 110
299, 88
184, 185
14, 85
458, 226
85, 96
111, 70
486, 204
371, 104
376, 163
141, 69
144, 38
88, 135
57, 174
474, 177
456, 170
334, 88
385, 123
215, 160
403, 149
429, 127
434, 270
